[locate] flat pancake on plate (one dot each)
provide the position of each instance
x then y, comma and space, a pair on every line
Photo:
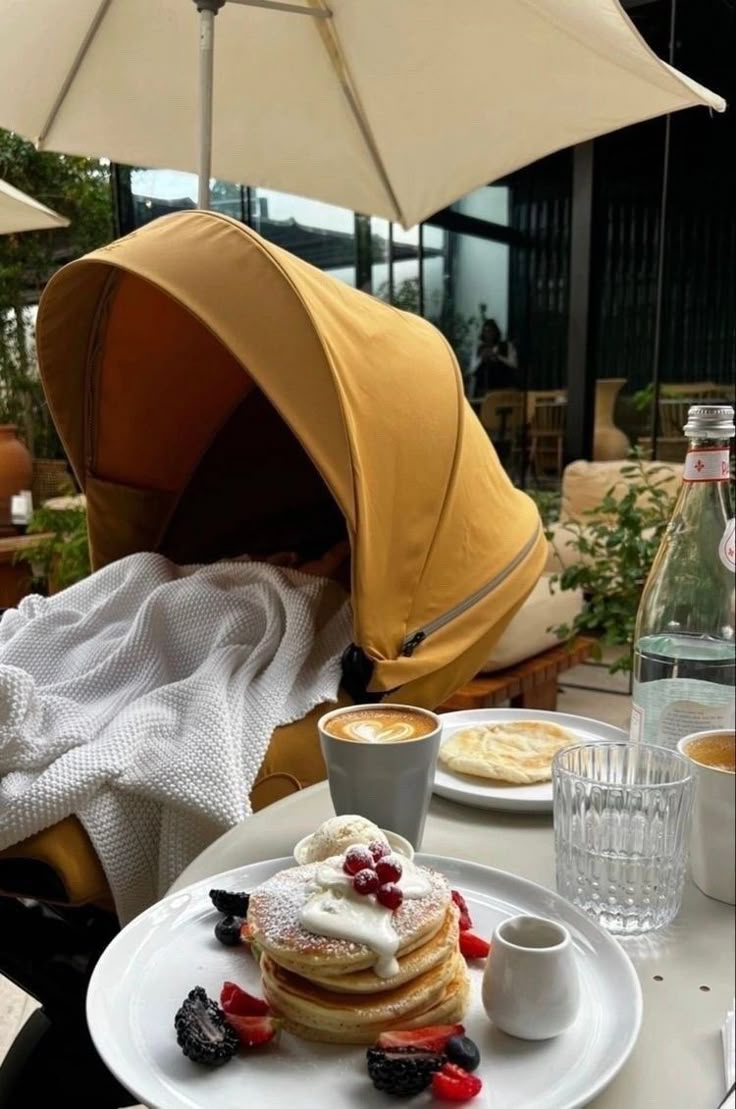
520, 751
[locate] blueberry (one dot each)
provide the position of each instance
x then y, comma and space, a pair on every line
227, 930
462, 1050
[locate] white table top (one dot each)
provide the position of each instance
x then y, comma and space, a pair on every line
677, 1062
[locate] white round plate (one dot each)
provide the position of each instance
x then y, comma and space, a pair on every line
490, 794
148, 969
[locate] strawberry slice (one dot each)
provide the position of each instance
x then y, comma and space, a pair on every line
235, 1000
465, 921
473, 946
431, 1038
452, 1083
254, 1031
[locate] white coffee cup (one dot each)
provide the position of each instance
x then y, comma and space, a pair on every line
713, 834
386, 781
530, 986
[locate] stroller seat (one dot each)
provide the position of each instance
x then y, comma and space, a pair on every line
60, 866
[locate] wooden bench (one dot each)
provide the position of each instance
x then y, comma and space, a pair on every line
531, 684
15, 572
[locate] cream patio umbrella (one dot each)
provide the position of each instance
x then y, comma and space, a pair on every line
19, 212
390, 107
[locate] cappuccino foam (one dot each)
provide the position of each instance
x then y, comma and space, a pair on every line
380, 725
717, 751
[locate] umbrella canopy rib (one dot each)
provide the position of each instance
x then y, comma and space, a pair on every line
73, 71
331, 44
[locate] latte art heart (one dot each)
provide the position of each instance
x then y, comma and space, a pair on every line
380, 725
369, 731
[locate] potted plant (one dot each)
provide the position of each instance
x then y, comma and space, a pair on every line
617, 541
61, 555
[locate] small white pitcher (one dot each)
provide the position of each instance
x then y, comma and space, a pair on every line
530, 983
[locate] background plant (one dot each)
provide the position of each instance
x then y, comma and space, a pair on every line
79, 189
617, 542
548, 502
61, 557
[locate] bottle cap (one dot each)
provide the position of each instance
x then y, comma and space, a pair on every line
710, 421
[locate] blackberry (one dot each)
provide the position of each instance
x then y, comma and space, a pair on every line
227, 930
402, 1071
202, 1030
230, 904
462, 1051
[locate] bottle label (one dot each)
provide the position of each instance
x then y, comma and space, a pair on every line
636, 728
707, 464
727, 546
666, 710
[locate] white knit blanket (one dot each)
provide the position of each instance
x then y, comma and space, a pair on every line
143, 700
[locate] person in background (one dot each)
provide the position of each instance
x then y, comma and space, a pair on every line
497, 365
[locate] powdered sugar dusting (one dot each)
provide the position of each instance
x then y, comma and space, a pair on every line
275, 908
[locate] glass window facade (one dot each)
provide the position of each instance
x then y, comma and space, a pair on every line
455, 279
501, 257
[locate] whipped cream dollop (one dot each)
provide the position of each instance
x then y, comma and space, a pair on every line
334, 908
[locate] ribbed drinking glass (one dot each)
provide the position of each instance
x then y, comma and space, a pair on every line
622, 820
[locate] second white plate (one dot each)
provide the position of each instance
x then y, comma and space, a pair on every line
491, 794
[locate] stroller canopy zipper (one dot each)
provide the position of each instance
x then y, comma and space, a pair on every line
417, 637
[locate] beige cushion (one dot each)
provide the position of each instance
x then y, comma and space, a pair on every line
585, 484
528, 633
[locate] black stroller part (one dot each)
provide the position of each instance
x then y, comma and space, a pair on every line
51, 953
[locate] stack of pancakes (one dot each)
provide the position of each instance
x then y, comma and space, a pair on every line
326, 989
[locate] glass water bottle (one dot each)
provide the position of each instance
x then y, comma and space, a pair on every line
684, 638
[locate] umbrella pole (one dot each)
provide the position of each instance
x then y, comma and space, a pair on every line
207, 9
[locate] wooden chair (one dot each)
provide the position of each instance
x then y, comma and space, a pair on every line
694, 391
502, 415
673, 410
675, 399
548, 419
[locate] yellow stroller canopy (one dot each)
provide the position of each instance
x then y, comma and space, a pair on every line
217, 396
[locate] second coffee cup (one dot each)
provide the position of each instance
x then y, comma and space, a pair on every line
380, 763
713, 842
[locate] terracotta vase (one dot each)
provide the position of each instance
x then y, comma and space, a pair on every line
609, 441
16, 469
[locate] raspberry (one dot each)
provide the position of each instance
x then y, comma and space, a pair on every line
357, 858
366, 881
389, 895
378, 849
388, 869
